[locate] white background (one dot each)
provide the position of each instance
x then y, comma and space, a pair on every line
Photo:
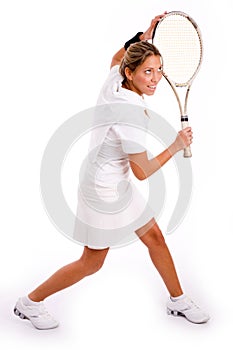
55, 56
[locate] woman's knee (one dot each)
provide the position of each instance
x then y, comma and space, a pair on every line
93, 259
153, 236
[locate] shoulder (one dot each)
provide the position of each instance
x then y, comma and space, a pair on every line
108, 93
114, 74
115, 69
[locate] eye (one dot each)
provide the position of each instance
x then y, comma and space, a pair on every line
148, 71
160, 69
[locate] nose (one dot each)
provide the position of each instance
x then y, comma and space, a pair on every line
156, 77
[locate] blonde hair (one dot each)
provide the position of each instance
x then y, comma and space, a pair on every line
136, 55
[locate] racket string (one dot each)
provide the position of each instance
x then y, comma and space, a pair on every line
180, 46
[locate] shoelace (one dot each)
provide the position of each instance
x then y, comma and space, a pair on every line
42, 312
191, 303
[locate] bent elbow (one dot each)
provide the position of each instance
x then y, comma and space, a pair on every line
141, 177
138, 171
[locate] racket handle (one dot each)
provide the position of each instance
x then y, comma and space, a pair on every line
187, 150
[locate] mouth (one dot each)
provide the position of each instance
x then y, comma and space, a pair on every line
152, 87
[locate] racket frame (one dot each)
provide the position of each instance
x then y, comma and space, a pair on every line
188, 84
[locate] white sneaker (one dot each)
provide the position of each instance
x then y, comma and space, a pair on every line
37, 314
186, 307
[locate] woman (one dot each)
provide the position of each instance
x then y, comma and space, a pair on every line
136, 70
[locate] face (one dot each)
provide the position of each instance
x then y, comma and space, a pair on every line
146, 77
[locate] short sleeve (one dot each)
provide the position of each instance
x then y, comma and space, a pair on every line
133, 138
131, 128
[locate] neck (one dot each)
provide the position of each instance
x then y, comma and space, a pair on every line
126, 85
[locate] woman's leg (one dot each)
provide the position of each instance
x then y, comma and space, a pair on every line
152, 237
90, 262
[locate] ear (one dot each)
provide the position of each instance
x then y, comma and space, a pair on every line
128, 73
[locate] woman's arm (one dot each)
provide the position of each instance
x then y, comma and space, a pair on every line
116, 60
143, 167
147, 35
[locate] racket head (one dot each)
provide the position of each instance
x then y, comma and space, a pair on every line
178, 38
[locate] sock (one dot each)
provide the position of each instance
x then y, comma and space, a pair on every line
27, 301
177, 298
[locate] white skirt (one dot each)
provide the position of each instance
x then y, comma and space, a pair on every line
109, 220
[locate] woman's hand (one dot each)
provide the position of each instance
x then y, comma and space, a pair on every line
147, 35
183, 140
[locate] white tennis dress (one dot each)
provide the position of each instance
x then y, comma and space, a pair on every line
110, 207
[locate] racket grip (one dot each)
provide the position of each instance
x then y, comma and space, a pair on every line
187, 150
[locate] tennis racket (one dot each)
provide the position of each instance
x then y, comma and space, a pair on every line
178, 39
